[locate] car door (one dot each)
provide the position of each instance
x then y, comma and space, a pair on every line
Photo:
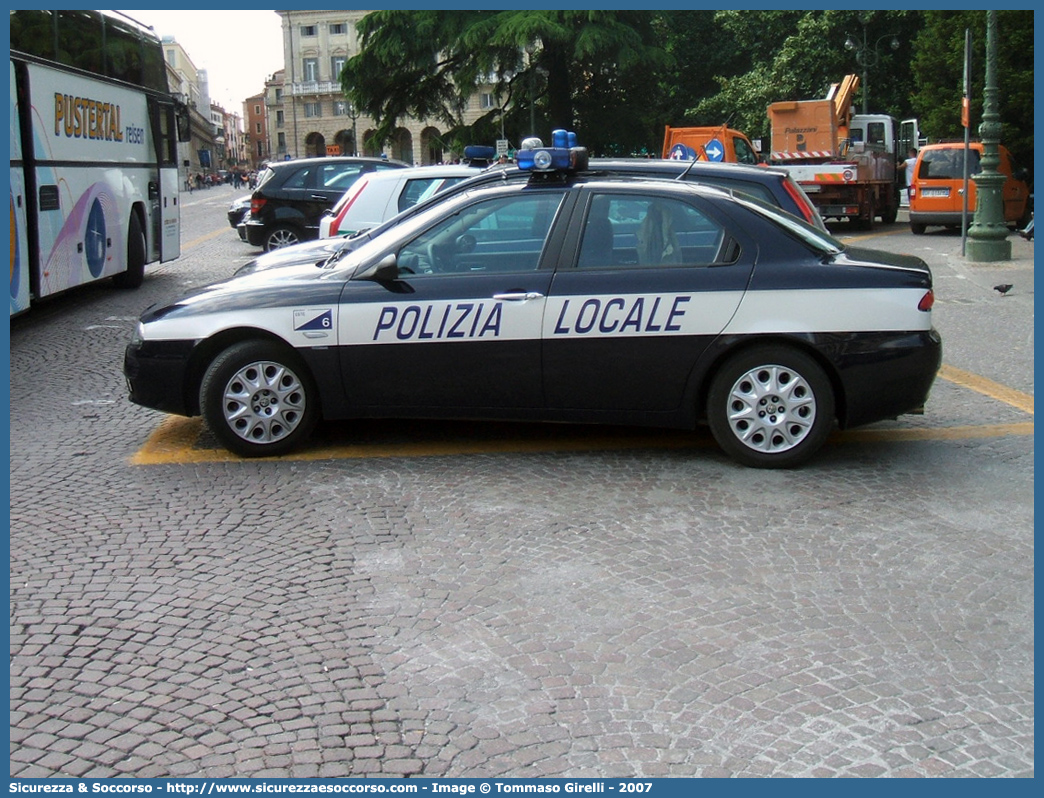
655, 279
460, 328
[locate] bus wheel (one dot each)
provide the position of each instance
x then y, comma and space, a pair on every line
135, 274
258, 399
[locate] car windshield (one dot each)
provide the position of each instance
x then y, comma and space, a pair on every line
819, 240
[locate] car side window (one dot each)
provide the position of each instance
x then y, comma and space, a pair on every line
414, 190
340, 175
299, 179
505, 234
626, 231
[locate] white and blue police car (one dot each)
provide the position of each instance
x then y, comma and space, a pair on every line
571, 297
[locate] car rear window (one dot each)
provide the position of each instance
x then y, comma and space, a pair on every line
947, 164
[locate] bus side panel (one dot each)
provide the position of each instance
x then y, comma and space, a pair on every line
92, 164
18, 232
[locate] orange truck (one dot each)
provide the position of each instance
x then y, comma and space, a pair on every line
720, 143
847, 163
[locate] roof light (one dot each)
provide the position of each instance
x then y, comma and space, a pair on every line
562, 156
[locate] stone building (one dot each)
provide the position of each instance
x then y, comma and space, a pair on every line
256, 130
308, 114
189, 85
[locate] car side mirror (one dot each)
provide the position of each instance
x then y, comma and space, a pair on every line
384, 270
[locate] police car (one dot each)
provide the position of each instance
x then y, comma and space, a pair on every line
569, 297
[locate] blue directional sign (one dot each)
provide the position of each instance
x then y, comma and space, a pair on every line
714, 150
680, 152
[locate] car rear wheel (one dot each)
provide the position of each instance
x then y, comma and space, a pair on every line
771, 407
280, 236
258, 399
918, 229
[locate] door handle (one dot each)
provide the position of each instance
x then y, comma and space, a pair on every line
519, 296
318, 197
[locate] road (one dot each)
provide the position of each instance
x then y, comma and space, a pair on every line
463, 600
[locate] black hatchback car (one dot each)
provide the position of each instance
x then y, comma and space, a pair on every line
291, 196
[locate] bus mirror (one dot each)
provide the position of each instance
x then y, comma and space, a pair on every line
183, 122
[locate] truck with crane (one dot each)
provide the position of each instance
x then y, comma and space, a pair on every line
846, 162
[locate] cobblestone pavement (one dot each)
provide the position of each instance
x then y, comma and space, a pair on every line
606, 611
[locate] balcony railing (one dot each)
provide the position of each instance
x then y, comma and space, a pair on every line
313, 87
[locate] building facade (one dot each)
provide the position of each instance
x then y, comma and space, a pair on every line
189, 85
308, 114
255, 133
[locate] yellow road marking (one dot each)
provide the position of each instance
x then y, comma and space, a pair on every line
1002, 393
173, 442
847, 238
195, 242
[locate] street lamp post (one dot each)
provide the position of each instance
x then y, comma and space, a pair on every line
867, 56
355, 134
530, 50
988, 234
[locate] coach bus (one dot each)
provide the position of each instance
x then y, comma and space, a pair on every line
94, 132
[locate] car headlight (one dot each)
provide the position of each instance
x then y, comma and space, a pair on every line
138, 336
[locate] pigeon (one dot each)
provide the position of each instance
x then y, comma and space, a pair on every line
1003, 288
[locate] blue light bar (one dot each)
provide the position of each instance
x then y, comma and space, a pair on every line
562, 156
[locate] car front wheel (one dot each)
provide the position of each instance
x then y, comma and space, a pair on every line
258, 399
771, 407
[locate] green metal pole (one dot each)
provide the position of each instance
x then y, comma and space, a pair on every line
988, 234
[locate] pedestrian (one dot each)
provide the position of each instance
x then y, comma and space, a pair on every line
908, 168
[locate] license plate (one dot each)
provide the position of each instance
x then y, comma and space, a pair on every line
811, 188
935, 192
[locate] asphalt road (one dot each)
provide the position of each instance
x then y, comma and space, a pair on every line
435, 599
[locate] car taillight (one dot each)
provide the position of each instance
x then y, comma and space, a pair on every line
801, 201
927, 301
913, 191
256, 204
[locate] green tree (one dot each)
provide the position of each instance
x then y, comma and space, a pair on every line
797, 55
938, 68
559, 68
